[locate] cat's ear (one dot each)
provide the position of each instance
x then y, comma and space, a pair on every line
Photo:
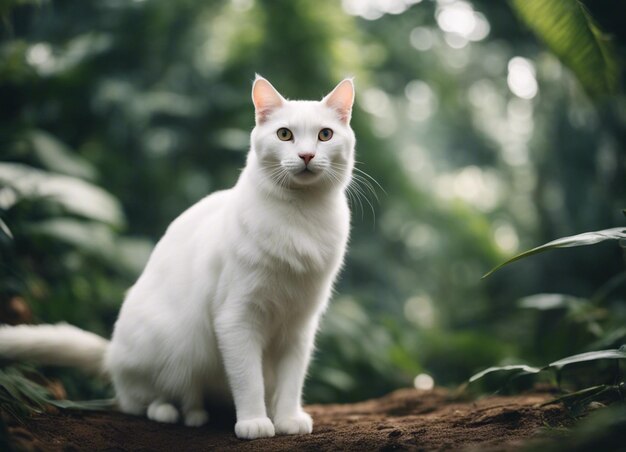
341, 99
265, 98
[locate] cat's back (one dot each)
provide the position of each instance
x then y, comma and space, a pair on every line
201, 212
185, 250
190, 241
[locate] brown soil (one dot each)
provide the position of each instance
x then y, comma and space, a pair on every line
405, 419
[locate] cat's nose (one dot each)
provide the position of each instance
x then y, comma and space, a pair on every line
306, 156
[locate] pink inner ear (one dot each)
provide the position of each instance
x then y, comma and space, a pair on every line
341, 99
265, 98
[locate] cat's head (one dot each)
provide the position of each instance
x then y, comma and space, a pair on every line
301, 143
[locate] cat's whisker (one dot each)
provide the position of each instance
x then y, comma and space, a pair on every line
355, 197
284, 180
366, 183
367, 175
333, 176
279, 175
361, 193
354, 202
276, 174
358, 190
371, 178
359, 196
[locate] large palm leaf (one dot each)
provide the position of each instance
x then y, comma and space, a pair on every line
570, 32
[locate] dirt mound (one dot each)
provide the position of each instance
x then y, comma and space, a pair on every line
405, 419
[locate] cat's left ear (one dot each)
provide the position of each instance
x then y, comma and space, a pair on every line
341, 99
265, 98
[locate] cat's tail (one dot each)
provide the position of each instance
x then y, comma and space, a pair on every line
56, 345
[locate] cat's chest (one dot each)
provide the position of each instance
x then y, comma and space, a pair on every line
301, 238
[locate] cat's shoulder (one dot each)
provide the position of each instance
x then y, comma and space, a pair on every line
208, 206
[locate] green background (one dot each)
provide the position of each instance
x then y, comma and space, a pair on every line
489, 128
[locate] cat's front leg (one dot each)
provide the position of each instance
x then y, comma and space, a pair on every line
241, 345
291, 365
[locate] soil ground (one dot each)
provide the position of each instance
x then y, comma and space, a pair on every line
405, 419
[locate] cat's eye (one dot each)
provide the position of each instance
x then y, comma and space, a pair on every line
325, 134
284, 134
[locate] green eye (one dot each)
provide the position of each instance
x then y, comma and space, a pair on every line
284, 134
325, 134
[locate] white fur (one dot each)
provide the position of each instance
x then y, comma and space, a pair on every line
230, 299
61, 345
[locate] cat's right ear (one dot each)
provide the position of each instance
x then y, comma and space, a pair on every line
265, 98
341, 99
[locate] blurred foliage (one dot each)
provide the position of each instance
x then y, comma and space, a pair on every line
116, 115
571, 33
595, 378
584, 239
609, 379
19, 395
603, 430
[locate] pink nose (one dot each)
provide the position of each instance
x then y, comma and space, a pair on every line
307, 157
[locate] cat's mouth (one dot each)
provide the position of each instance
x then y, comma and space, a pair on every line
309, 174
306, 176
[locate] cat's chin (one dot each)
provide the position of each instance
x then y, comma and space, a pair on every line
306, 178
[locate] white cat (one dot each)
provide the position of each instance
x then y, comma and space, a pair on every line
231, 297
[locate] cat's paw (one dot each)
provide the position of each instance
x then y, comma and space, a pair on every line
162, 412
196, 418
260, 427
299, 424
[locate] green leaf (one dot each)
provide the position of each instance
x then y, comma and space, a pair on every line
546, 301
521, 369
590, 356
584, 239
56, 156
98, 240
567, 28
76, 195
583, 357
96, 405
610, 338
18, 394
93, 238
5, 229
578, 402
